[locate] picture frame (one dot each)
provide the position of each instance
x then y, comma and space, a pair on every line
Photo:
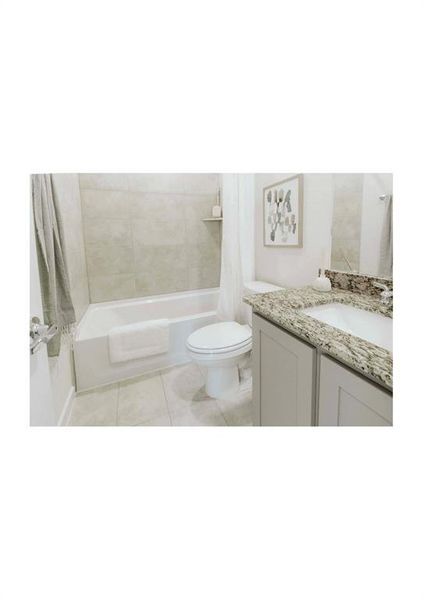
283, 213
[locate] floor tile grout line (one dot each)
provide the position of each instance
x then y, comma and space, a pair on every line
223, 415
117, 404
165, 395
137, 420
175, 415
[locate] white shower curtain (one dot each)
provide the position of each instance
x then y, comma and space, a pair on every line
237, 265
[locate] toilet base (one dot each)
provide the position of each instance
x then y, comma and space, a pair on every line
222, 381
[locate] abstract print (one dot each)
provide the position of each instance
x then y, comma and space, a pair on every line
282, 213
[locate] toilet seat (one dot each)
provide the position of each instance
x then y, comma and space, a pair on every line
219, 348
220, 338
222, 348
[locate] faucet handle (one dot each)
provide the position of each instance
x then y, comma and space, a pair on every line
380, 285
387, 294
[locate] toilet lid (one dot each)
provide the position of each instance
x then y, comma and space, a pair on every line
220, 336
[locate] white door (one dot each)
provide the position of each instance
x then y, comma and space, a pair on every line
41, 398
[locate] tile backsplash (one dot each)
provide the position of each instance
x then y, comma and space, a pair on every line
144, 234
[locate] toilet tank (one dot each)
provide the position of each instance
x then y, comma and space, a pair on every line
258, 287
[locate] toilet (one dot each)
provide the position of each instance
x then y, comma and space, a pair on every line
221, 347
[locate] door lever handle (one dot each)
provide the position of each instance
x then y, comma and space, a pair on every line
40, 334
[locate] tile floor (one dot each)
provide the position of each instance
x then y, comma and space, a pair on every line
172, 397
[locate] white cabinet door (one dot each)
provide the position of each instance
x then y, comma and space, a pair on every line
283, 376
348, 399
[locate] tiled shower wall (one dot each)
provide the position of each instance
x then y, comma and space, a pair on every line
346, 223
144, 233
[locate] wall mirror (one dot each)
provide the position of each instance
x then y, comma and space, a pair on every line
362, 223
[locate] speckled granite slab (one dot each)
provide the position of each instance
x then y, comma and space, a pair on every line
354, 282
283, 309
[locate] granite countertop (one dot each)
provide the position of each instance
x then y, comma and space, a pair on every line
283, 308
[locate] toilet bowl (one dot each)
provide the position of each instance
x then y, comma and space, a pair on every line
221, 347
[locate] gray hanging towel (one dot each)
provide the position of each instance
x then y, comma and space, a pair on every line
54, 278
386, 241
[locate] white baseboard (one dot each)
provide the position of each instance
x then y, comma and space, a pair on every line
64, 417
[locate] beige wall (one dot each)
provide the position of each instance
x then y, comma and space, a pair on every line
346, 227
144, 234
342, 217
372, 218
292, 267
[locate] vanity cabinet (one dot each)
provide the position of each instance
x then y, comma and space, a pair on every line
283, 376
294, 384
346, 398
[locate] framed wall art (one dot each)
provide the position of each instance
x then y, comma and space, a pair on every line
283, 213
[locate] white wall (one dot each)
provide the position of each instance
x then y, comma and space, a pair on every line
66, 189
42, 410
293, 267
372, 213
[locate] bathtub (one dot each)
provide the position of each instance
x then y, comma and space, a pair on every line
187, 311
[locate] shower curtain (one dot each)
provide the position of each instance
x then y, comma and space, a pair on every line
237, 266
54, 278
386, 242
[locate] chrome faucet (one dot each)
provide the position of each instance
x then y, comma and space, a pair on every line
386, 294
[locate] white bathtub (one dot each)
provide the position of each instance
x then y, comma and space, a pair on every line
187, 312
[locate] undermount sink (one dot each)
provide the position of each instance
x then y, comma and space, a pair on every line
373, 327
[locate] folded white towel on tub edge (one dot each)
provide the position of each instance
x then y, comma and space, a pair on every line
138, 340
